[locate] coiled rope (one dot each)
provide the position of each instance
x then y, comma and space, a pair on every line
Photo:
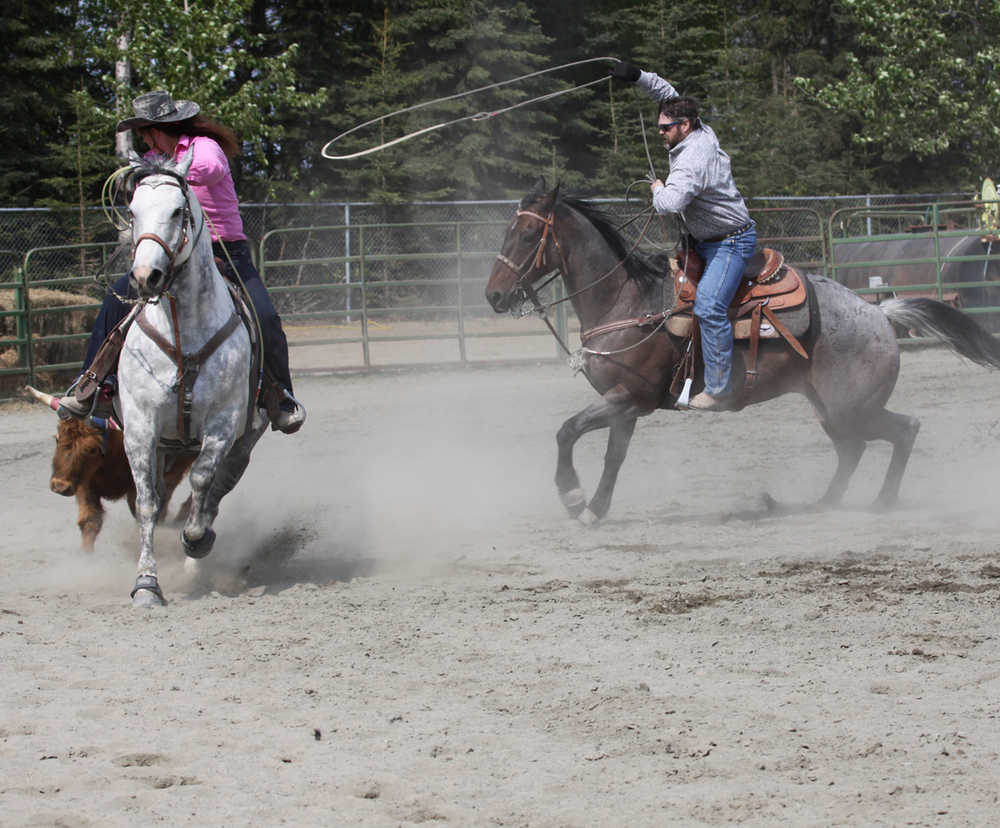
478, 116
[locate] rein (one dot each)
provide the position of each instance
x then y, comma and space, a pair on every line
537, 259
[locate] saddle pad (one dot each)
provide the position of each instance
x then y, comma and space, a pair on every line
796, 319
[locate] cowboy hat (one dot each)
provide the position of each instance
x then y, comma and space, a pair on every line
158, 108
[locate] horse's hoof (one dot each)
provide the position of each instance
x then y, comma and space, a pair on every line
881, 505
588, 518
146, 593
201, 547
144, 599
575, 501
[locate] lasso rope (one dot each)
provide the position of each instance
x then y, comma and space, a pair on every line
478, 116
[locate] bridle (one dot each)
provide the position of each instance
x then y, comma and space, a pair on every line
536, 259
537, 253
174, 262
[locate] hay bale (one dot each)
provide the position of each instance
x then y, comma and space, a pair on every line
45, 325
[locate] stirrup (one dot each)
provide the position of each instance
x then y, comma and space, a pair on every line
685, 396
71, 407
288, 422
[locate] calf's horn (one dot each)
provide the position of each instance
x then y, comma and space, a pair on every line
102, 423
41, 396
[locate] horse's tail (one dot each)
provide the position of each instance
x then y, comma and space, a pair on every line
950, 325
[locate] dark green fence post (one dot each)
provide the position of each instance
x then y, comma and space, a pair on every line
459, 299
26, 352
938, 264
364, 298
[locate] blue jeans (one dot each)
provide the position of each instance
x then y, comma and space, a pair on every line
724, 265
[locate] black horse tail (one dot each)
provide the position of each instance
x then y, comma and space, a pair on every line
950, 325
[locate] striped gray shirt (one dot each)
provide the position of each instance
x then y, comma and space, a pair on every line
700, 186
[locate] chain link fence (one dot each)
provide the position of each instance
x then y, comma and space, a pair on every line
24, 229
347, 278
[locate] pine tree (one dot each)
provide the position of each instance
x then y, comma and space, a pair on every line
79, 166
208, 53
36, 40
423, 50
679, 41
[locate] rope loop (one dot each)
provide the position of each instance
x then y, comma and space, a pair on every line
479, 116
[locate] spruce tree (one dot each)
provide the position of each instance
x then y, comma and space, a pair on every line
422, 50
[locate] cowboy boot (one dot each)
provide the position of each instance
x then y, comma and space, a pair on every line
291, 415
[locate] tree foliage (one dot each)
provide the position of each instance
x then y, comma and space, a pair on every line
807, 96
40, 71
920, 85
206, 52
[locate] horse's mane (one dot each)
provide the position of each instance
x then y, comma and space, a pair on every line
646, 269
156, 165
125, 185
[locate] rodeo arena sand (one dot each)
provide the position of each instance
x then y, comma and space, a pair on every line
399, 625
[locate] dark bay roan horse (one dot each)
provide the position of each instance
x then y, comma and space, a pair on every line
851, 370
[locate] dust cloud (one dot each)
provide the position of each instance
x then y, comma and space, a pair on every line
398, 623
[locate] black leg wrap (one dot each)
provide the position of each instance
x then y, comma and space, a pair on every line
147, 582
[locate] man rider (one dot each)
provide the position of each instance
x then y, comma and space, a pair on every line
700, 188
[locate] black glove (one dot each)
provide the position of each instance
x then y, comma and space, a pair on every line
626, 72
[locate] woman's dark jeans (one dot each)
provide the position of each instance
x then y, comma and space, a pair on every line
275, 344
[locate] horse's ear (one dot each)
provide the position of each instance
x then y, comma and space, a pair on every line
537, 191
185, 163
134, 159
546, 203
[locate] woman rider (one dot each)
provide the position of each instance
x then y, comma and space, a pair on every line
170, 128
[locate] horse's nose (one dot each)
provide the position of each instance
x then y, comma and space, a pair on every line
144, 279
61, 487
153, 279
496, 300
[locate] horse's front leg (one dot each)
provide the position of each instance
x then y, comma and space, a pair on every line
619, 437
197, 536
233, 465
615, 412
142, 458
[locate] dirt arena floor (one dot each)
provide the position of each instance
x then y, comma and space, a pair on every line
399, 625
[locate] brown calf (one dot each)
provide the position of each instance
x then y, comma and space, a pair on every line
92, 465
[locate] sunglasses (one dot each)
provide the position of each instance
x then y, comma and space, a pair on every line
666, 126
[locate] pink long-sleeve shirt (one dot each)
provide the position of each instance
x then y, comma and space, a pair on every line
212, 182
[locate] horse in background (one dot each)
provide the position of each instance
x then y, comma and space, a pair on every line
848, 369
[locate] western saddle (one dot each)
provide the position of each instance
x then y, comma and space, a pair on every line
768, 290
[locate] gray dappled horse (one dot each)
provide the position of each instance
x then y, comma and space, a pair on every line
185, 368
850, 373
